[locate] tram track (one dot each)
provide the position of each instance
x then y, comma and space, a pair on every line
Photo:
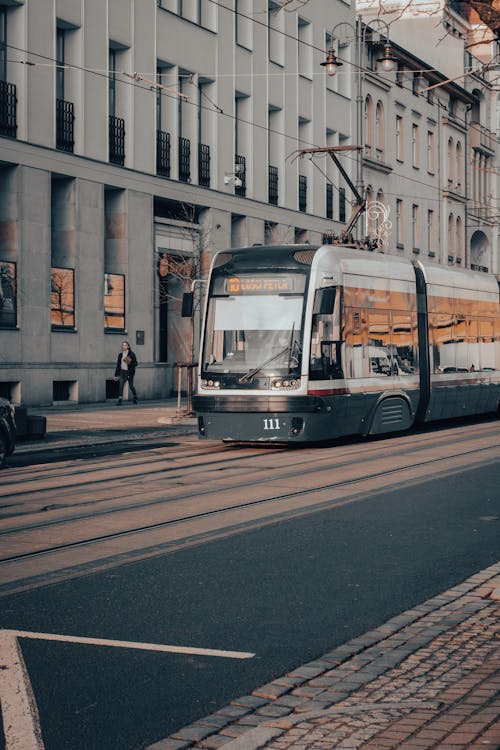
130, 468
75, 540
321, 488
215, 466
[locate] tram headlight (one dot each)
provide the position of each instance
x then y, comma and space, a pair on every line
286, 383
208, 383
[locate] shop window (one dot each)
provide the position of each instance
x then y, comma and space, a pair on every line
62, 298
8, 294
114, 302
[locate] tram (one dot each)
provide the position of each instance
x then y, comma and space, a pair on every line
306, 343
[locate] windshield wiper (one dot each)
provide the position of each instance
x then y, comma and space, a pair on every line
288, 348
251, 373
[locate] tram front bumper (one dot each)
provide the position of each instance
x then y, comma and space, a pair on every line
263, 418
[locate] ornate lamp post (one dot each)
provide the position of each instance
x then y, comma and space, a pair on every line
387, 63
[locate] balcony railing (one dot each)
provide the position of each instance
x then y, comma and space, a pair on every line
273, 185
116, 140
203, 165
302, 192
8, 109
162, 153
241, 172
184, 159
65, 119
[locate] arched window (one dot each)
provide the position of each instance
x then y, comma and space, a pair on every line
379, 130
459, 246
451, 238
451, 163
369, 124
459, 165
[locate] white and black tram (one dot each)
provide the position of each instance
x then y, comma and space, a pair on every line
304, 343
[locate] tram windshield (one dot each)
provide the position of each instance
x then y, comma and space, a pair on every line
254, 325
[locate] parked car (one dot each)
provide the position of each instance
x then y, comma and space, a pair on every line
7, 430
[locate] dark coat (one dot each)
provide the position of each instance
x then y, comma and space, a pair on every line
131, 367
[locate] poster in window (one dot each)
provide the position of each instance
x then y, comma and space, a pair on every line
114, 301
62, 297
8, 295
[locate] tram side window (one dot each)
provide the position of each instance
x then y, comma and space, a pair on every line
461, 343
403, 351
379, 342
325, 360
473, 356
355, 334
486, 345
442, 344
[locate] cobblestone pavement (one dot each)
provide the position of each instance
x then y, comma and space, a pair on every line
428, 678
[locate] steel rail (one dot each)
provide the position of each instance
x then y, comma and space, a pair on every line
232, 508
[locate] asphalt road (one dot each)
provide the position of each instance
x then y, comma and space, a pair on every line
287, 592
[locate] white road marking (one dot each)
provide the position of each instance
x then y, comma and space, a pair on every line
133, 644
19, 711
21, 724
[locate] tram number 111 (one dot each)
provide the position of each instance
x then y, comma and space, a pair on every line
271, 424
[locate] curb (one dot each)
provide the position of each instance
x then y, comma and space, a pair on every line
321, 688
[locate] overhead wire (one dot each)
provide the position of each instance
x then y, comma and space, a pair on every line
137, 79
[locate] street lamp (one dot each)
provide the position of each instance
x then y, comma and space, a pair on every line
387, 63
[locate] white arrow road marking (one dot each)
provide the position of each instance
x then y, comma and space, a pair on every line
133, 644
21, 724
19, 711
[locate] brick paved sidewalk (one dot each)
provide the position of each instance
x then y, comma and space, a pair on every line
428, 678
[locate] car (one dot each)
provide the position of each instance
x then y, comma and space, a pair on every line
7, 430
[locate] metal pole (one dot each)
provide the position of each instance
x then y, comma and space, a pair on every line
359, 106
179, 386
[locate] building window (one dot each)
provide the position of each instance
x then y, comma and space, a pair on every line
369, 125
62, 298
305, 49
379, 130
430, 151
399, 222
3, 44
112, 83
8, 294
399, 138
273, 185
329, 200
342, 205
459, 245
114, 302
451, 238
415, 236
451, 163
60, 62
302, 192
64, 110
243, 23
430, 231
459, 164
275, 29
415, 150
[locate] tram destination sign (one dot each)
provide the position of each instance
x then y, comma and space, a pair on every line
269, 284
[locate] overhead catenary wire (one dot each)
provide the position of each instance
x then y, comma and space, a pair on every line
169, 91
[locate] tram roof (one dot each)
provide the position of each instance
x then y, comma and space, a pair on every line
355, 260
